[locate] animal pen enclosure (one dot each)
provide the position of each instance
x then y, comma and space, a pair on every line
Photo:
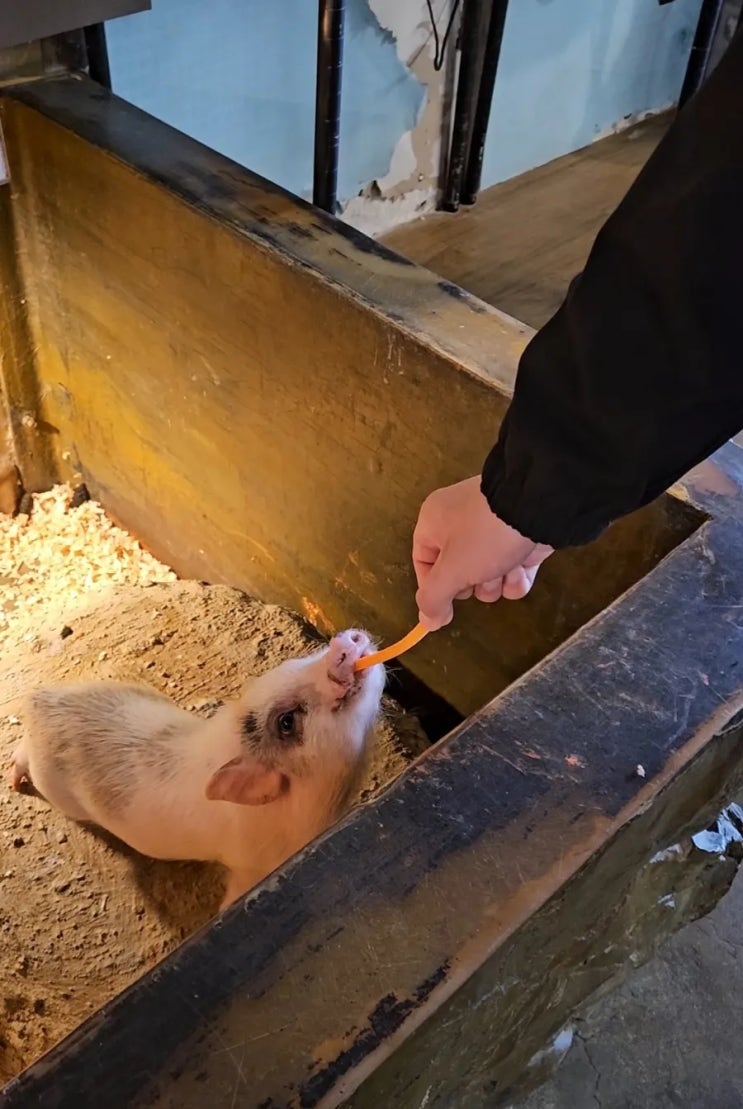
263, 397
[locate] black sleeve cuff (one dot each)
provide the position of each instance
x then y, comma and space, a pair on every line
542, 512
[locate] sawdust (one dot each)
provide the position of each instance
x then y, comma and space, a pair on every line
60, 557
81, 916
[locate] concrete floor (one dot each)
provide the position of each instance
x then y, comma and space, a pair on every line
672, 1036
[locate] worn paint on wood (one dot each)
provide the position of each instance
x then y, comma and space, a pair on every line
265, 396
442, 926
426, 908
19, 437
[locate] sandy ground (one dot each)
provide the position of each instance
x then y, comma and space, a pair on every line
81, 916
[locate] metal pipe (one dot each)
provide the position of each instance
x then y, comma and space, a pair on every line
328, 102
97, 51
472, 35
473, 169
704, 40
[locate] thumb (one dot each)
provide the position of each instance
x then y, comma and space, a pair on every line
436, 595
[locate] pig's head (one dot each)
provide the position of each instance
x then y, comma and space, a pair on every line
303, 727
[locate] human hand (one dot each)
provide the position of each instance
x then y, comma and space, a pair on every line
461, 548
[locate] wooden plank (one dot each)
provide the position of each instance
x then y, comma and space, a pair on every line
19, 433
524, 240
429, 946
36, 19
263, 395
389, 944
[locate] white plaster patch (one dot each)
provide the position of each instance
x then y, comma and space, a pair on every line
402, 165
377, 215
556, 1050
630, 121
410, 24
408, 188
673, 852
728, 831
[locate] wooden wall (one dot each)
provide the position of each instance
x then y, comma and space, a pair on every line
263, 395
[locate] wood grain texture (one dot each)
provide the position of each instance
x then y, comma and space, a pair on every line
20, 435
522, 243
252, 388
263, 395
433, 941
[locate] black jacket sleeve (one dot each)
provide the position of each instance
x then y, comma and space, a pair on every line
639, 375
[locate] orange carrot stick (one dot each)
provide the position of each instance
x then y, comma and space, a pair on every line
394, 650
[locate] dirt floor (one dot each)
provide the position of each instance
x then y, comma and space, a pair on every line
81, 916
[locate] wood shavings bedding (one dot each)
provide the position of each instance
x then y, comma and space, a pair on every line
81, 917
65, 553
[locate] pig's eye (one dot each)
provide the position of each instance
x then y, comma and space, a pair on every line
287, 723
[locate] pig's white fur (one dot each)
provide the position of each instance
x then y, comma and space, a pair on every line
128, 759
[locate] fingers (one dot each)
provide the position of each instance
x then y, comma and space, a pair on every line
423, 566
490, 591
436, 595
439, 619
538, 556
458, 541
531, 573
424, 558
515, 585
435, 609
518, 582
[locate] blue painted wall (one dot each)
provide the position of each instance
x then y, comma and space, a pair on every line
239, 75
571, 69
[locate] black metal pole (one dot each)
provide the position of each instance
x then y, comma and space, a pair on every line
704, 39
472, 35
328, 102
97, 51
473, 168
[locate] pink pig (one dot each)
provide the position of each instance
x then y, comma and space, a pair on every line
247, 788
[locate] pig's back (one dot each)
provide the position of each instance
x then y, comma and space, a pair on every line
91, 746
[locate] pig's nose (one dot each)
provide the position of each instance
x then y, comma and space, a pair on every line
344, 650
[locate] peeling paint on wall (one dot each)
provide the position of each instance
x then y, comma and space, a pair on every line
240, 76
382, 100
571, 72
410, 184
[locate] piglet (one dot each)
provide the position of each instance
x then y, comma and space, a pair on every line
247, 788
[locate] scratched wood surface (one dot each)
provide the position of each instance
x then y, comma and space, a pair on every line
263, 395
338, 977
429, 946
17, 374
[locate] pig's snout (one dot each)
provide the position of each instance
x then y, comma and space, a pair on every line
343, 653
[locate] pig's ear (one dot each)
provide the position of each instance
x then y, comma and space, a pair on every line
246, 781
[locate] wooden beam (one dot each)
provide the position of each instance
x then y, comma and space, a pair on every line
263, 395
